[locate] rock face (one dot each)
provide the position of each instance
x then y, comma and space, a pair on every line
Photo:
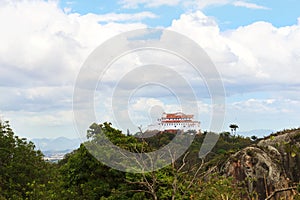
272, 165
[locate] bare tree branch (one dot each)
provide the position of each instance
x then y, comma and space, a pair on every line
183, 161
278, 191
195, 175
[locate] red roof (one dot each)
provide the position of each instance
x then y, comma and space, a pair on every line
178, 116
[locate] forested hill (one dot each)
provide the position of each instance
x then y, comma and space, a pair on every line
237, 168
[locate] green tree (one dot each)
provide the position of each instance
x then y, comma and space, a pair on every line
218, 187
84, 177
21, 166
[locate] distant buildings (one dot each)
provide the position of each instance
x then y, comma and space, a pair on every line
55, 157
171, 122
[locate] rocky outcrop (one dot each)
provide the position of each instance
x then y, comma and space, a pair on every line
269, 168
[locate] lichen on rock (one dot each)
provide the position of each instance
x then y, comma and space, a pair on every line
271, 165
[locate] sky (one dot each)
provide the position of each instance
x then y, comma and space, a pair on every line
254, 45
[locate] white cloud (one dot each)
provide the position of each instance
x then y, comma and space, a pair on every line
192, 4
276, 51
147, 3
274, 114
258, 60
143, 104
255, 55
121, 17
256, 106
201, 4
41, 43
249, 5
42, 124
42, 49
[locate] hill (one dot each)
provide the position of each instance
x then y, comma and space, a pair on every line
256, 132
238, 167
56, 144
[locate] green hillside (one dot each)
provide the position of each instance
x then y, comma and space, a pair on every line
237, 168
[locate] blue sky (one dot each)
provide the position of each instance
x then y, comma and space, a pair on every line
229, 16
255, 46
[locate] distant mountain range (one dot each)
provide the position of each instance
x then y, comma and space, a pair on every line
258, 132
66, 145
56, 144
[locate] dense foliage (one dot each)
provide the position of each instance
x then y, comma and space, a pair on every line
22, 168
25, 175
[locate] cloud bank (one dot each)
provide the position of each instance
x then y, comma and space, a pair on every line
198, 4
43, 47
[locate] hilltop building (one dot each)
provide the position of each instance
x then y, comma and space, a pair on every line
171, 122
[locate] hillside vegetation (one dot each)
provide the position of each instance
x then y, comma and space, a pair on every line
237, 168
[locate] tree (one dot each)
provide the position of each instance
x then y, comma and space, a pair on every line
22, 168
254, 138
84, 177
217, 187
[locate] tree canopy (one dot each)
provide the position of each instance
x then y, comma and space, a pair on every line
24, 174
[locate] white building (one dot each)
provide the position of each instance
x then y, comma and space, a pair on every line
175, 121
